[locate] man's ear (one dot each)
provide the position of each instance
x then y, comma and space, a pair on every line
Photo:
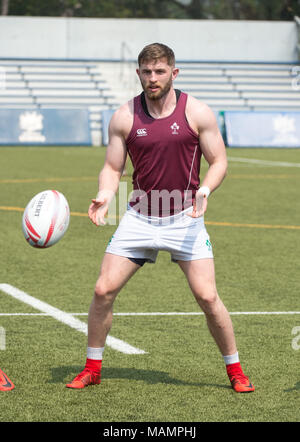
175, 72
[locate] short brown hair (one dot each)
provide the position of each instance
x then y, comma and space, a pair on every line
156, 51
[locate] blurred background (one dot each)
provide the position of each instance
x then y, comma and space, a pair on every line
66, 65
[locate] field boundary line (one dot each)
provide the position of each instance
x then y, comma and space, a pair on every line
12, 208
209, 223
252, 226
201, 313
260, 176
21, 209
160, 313
65, 318
46, 180
263, 162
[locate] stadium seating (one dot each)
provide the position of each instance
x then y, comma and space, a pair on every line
242, 86
53, 84
45, 84
100, 86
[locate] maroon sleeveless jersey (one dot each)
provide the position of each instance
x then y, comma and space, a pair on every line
165, 154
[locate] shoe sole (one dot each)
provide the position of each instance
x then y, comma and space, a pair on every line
251, 390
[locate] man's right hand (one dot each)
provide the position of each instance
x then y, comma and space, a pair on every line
99, 207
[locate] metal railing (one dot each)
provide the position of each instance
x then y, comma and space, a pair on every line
297, 21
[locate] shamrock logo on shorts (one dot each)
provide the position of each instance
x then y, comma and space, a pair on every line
208, 243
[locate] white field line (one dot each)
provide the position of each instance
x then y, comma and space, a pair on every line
263, 162
159, 313
201, 313
65, 318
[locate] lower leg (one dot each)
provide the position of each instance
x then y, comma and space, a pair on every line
220, 325
99, 320
99, 324
201, 278
115, 272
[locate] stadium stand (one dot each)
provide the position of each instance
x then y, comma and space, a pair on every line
46, 84
100, 86
66, 85
242, 86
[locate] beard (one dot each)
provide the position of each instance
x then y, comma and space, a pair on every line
161, 92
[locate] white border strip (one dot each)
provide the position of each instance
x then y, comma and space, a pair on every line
65, 318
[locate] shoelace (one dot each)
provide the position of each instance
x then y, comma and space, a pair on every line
239, 377
82, 374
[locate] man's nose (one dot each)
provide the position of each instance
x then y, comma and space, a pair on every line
152, 77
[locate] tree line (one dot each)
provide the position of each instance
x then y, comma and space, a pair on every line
150, 9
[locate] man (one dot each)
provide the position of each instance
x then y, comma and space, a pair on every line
165, 132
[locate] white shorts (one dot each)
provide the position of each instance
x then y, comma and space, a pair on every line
140, 237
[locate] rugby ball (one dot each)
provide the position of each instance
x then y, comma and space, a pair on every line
46, 219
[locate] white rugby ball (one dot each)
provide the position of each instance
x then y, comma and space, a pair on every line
46, 219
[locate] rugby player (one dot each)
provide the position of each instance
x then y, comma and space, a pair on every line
165, 132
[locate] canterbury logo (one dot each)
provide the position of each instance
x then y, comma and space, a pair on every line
141, 132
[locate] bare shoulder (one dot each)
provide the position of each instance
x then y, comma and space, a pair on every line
119, 128
199, 114
122, 120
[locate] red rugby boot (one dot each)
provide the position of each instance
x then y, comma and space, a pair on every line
85, 378
240, 382
5, 383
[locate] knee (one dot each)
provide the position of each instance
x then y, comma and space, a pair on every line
208, 301
103, 291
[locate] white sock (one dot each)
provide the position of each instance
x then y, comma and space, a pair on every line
95, 353
231, 359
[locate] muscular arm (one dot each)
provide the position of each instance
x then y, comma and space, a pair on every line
213, 149
109, 176
111, 172
203, 121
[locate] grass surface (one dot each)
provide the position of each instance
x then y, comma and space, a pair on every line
182, 377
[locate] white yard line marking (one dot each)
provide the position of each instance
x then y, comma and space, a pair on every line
65, 318
159, 313
201, 313
263, 162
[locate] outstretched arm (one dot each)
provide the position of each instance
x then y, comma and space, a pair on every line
111, 172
